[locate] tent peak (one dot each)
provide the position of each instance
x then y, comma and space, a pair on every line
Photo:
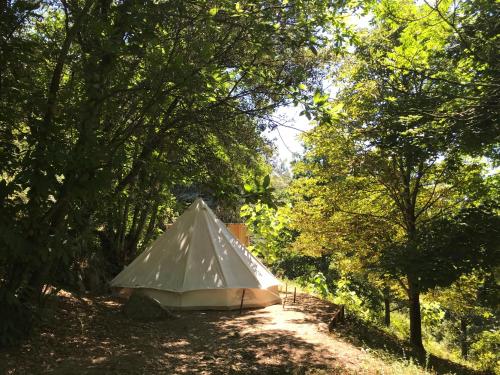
198, 262
199, 200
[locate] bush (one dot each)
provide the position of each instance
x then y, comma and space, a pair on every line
485, 351
319, 284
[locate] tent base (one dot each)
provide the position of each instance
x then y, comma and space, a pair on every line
209, 299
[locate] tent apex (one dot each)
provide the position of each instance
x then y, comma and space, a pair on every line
198, 263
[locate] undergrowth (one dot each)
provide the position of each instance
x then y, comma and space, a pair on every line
389, 344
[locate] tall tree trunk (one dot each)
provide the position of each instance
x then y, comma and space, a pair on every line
409, 199
58, 69
387, 309
135, 234
415, 316
122, 230
152, 224
463, 338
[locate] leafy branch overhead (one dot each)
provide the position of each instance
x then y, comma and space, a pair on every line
260, 192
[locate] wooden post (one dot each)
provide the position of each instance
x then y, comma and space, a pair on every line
286, 289
337, 318
242, 297
294, 293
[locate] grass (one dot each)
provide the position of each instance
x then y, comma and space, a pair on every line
400, 328
399, 354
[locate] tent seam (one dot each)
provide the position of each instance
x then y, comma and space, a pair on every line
219, 265
225, 233
188, 239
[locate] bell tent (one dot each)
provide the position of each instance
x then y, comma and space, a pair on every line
198, 264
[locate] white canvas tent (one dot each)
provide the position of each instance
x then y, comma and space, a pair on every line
198, 264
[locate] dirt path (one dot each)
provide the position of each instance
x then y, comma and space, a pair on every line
90, 335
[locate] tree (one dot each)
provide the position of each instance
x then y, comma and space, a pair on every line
391, 159
106, 108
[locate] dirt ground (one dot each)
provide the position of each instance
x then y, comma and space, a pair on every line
90, 335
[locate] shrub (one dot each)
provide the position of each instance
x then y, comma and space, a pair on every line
485, 351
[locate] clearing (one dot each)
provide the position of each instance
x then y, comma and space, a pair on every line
90, 335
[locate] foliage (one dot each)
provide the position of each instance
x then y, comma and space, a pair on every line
260, 192
298, 266
114, 114
346, 295
485, 350
449, 247
389, 175
320, 285
269, 230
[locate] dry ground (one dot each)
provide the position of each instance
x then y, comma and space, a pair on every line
90, 335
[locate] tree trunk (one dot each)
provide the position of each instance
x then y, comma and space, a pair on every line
152, 224
415, 316
58, 70
463, 338
387, 311
122, 230
135, 234
154, 140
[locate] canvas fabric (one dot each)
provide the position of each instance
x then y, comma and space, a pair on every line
198, 263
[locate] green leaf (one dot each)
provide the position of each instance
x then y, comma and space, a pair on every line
213, 11
248, 188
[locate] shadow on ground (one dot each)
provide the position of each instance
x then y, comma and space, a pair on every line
90, 335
